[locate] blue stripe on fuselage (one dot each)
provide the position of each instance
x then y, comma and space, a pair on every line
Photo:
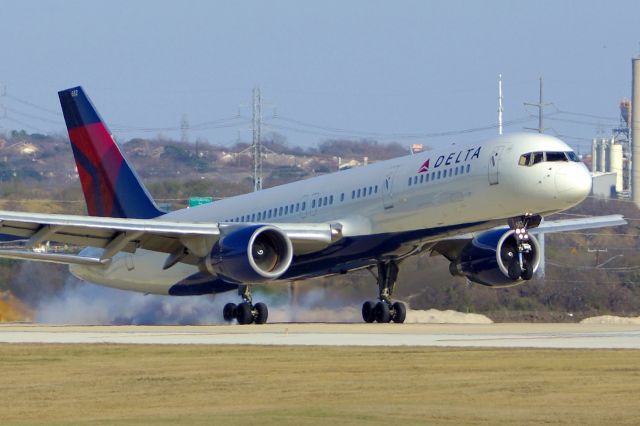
347, 254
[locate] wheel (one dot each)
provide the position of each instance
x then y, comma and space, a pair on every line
527, 272
262, 313
515, 271
243, 313
368, 311
382, 312
229, 311
399, 312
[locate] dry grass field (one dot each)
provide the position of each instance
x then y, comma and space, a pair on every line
133, 384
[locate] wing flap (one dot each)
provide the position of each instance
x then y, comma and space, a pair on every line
67, 259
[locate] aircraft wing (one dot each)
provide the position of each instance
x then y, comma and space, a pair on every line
451, 247
115, 234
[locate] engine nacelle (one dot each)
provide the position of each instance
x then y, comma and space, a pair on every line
251, 254
489, 259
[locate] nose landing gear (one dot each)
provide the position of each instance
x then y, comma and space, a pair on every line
520, 267
385, 310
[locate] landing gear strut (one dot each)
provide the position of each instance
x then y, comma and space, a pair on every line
246, 312
520, 267
385, 310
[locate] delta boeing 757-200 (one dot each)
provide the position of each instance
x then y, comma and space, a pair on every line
480, 206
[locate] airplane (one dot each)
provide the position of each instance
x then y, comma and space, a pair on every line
480, 206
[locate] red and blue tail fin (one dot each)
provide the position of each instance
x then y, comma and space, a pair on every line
111, 187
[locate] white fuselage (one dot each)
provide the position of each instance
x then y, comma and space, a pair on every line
442, 189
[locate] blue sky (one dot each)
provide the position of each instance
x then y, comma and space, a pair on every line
379, 68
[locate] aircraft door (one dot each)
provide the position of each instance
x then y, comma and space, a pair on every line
387, 188
307, 206
494, 163
313, 206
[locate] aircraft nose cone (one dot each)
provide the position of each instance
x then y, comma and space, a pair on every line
573, 183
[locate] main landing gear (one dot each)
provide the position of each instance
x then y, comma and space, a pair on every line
246, 312
385, 310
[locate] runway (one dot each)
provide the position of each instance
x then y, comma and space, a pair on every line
423, 335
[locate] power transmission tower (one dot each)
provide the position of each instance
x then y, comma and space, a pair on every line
184, 129
540, 105
257, 144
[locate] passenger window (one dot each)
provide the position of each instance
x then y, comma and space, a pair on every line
358, 193
297, 207
376, 189
324, 201
280, 211
286, 209
313, 204
415, 180
253, 217
342, 197
331, 199
439, 174
370, 190
421, 178
364, 192
468, 167
410, 181
304, 205
456, 171
353, 194
426, 177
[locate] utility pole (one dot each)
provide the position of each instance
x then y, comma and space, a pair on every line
500, 109
257, 144
540, 105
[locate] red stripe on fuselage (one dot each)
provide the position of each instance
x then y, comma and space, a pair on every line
97, 146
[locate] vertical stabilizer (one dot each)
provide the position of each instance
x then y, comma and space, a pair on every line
111, 187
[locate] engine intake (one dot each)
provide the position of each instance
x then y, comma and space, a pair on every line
251, 254
491, 259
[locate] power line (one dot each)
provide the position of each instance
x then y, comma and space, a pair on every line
315, 129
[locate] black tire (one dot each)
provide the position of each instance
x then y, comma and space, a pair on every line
382, 312
369, 311
262, 313
399, 312
527, 272
229, 312
515, 271
243, 314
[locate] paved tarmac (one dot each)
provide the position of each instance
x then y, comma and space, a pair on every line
434, 335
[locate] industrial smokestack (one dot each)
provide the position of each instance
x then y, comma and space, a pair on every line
635, 131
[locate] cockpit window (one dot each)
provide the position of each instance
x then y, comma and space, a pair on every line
556, 156
538, 157
531, 158
573, 157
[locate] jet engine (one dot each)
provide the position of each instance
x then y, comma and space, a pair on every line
493, 258
250, 254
